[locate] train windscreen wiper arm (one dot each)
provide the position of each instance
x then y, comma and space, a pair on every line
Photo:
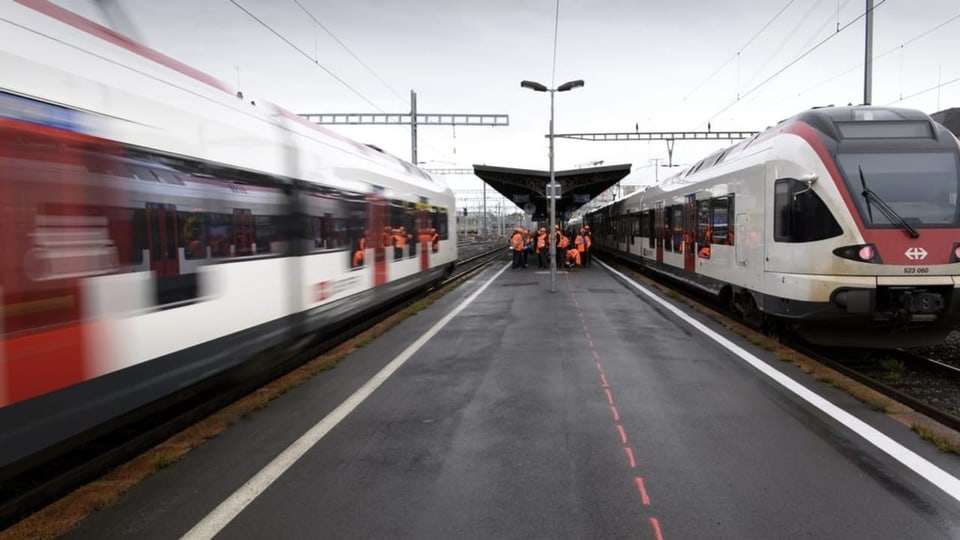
870, 196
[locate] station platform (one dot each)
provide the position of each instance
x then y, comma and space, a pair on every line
506, 410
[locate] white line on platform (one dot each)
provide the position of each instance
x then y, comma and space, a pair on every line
935, 475
226, 511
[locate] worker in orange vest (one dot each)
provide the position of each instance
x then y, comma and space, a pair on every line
516, 245
542, 250
562, 244
573, 257
358, 254
587, 244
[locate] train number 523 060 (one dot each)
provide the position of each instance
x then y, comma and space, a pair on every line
916, 270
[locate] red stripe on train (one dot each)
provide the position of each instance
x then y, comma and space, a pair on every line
67, 17
43, 362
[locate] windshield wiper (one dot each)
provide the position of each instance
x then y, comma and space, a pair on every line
870, 196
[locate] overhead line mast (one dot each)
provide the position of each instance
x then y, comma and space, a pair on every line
669, 136
412, 119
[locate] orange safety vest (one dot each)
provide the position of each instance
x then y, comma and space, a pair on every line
579, 241
587, 239
517, 241
564, 242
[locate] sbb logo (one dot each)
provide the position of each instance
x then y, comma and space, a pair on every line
916, 253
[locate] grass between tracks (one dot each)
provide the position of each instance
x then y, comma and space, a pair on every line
61, 516
944, 438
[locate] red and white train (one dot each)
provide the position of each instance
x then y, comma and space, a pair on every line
156, 230
841, 222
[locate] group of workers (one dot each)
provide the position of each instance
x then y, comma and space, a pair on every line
573, 248
398, 238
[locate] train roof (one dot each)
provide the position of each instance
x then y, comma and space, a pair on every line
123, 91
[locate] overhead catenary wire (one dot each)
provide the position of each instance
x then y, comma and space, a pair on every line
921, 92
791, 63
321, 66
881, 55
307, 56
783, 42
736, 55
812, 39
342, 44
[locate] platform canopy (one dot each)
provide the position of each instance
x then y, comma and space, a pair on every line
527, 188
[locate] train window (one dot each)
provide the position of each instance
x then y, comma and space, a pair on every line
167, 177
139, 219
650, 223
677, 227
920, 186
440, 222
191, 235
667, 229
704, 230
243, 236
219, 234
266, 232
142, 173
800, 214
645, 224
722, 208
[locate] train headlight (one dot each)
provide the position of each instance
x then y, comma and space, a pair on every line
955, 253
861, 253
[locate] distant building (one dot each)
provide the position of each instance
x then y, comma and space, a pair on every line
950, 118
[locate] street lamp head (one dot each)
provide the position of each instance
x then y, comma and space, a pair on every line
570, 85
535, 86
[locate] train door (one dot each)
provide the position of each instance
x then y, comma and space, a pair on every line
628, 231
423, 234
162, 239
377, 222
660, 231
689, 232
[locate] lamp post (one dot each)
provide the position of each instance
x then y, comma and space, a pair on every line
552, 186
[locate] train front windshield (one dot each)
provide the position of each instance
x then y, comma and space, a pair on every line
920, 186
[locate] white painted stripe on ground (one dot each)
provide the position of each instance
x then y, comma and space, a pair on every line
935, 475
226, 511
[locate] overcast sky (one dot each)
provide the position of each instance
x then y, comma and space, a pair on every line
645, 62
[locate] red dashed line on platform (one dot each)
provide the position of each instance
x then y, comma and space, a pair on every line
656, 527
643, 491
644, 497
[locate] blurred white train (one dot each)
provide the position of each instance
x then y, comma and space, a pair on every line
840, 222
156, 230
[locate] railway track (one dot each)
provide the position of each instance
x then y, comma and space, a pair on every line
925, 385
96, 453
